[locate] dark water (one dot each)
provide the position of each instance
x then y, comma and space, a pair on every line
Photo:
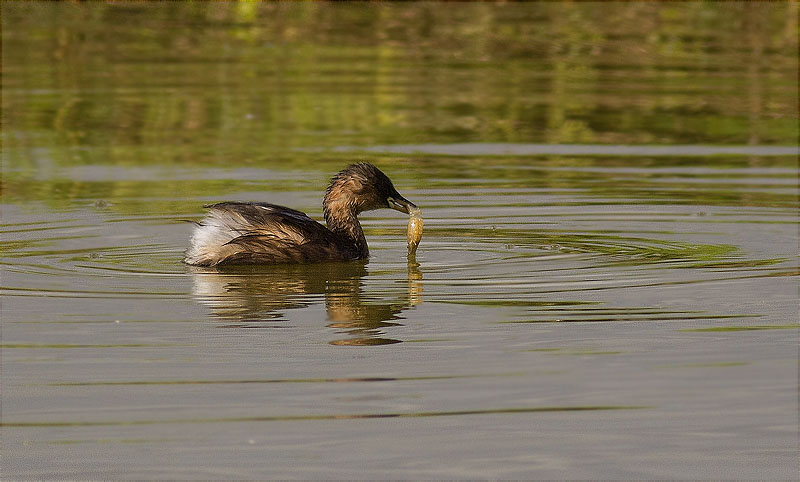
606, 286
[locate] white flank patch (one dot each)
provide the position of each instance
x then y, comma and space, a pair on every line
207, 240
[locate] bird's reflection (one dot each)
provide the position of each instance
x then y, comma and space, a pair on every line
259, 296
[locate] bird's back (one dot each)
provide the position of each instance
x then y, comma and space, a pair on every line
237, 232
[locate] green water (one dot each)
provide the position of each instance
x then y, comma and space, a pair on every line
606, 286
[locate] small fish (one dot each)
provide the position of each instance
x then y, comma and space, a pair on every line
414, 234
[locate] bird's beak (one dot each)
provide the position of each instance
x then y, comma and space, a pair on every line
401, 204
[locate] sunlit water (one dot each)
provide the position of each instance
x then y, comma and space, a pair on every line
624, 313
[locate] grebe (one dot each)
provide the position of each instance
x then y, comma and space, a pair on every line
241, 232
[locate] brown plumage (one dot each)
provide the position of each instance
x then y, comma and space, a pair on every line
240, 232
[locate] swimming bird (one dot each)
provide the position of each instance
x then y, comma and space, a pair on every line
259, 232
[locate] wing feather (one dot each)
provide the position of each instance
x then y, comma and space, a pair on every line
235, 232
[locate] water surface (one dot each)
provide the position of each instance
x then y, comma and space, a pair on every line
606, 286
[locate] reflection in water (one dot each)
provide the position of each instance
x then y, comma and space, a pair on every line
249, 296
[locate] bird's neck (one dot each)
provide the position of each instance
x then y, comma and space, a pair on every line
344, 222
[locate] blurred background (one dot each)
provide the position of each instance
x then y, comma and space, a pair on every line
215, 83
